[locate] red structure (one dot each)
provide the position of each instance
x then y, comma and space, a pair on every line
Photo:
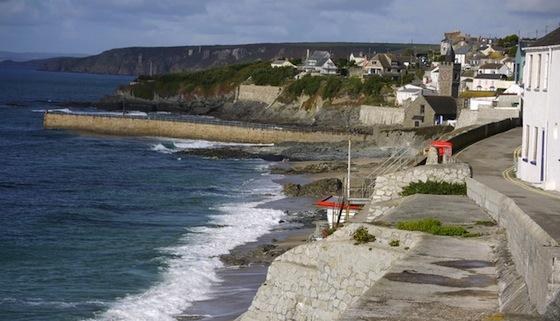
444, 148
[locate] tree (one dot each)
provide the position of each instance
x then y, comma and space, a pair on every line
508, 41
295, 61
408, 52
512, 51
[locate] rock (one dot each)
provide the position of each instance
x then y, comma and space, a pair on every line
320, 188
229, 153
262, 254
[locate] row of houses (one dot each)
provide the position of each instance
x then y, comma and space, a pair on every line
321, 63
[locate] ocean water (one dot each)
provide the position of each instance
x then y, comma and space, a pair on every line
112, 228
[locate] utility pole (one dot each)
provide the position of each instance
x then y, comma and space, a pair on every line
349, 161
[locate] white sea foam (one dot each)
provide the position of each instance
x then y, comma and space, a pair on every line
60, 110
38, 302
174, 145
192, 267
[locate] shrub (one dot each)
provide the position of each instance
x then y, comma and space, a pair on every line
308, 85
395, 243
268, 76
352, 87
435, 188
332, 87
432, 226
361, 236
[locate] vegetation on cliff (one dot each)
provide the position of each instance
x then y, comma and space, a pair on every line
216, 81
372, 90
211, 81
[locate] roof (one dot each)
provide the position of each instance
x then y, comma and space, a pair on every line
443, 105
490, 76
491, 66
280, 61
383, 60
550, 39
320, 56
462, 50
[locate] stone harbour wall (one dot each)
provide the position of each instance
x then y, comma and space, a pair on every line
320, 280
390, 186
192, 130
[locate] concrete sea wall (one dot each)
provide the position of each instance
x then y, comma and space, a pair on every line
223, 131
320, 280
390, 186
263, 94
535, 253
374, 115
485, 115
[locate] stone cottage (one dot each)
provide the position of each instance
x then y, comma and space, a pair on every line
430, 110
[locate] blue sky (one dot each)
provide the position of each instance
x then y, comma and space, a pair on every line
91, 26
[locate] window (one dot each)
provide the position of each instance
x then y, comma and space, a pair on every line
422, 109
535, 145
538, 79
545, 74
416, 123
530, 72
525, 154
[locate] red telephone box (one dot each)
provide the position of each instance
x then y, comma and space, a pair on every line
444, 149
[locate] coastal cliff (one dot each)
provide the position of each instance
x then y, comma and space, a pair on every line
163, 60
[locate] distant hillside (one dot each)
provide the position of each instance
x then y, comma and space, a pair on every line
26, 56
163, 60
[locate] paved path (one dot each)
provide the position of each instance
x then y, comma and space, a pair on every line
491, 160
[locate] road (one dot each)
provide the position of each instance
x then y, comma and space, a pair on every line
491, 161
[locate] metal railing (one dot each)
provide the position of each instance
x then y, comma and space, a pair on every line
399, 160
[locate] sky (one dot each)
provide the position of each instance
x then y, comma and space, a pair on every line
91, 26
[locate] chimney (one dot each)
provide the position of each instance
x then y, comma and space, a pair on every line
307, 57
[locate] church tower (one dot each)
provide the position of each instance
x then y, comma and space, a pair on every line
449, 73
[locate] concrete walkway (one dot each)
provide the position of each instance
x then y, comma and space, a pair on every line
491, 160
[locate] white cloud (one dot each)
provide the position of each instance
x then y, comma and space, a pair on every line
92, 26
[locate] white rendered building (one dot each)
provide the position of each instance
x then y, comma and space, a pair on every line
540, 154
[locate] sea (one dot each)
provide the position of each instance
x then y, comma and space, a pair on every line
112, 228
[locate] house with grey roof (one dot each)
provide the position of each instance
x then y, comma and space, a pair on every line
461, 55
319, 62
430, 111
383, 65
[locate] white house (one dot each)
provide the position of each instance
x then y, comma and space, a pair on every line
282, 63
491, 82
320, 62
412, 92
431, 79
539, 163
495, 69
358, 60
461, 55
487, 50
